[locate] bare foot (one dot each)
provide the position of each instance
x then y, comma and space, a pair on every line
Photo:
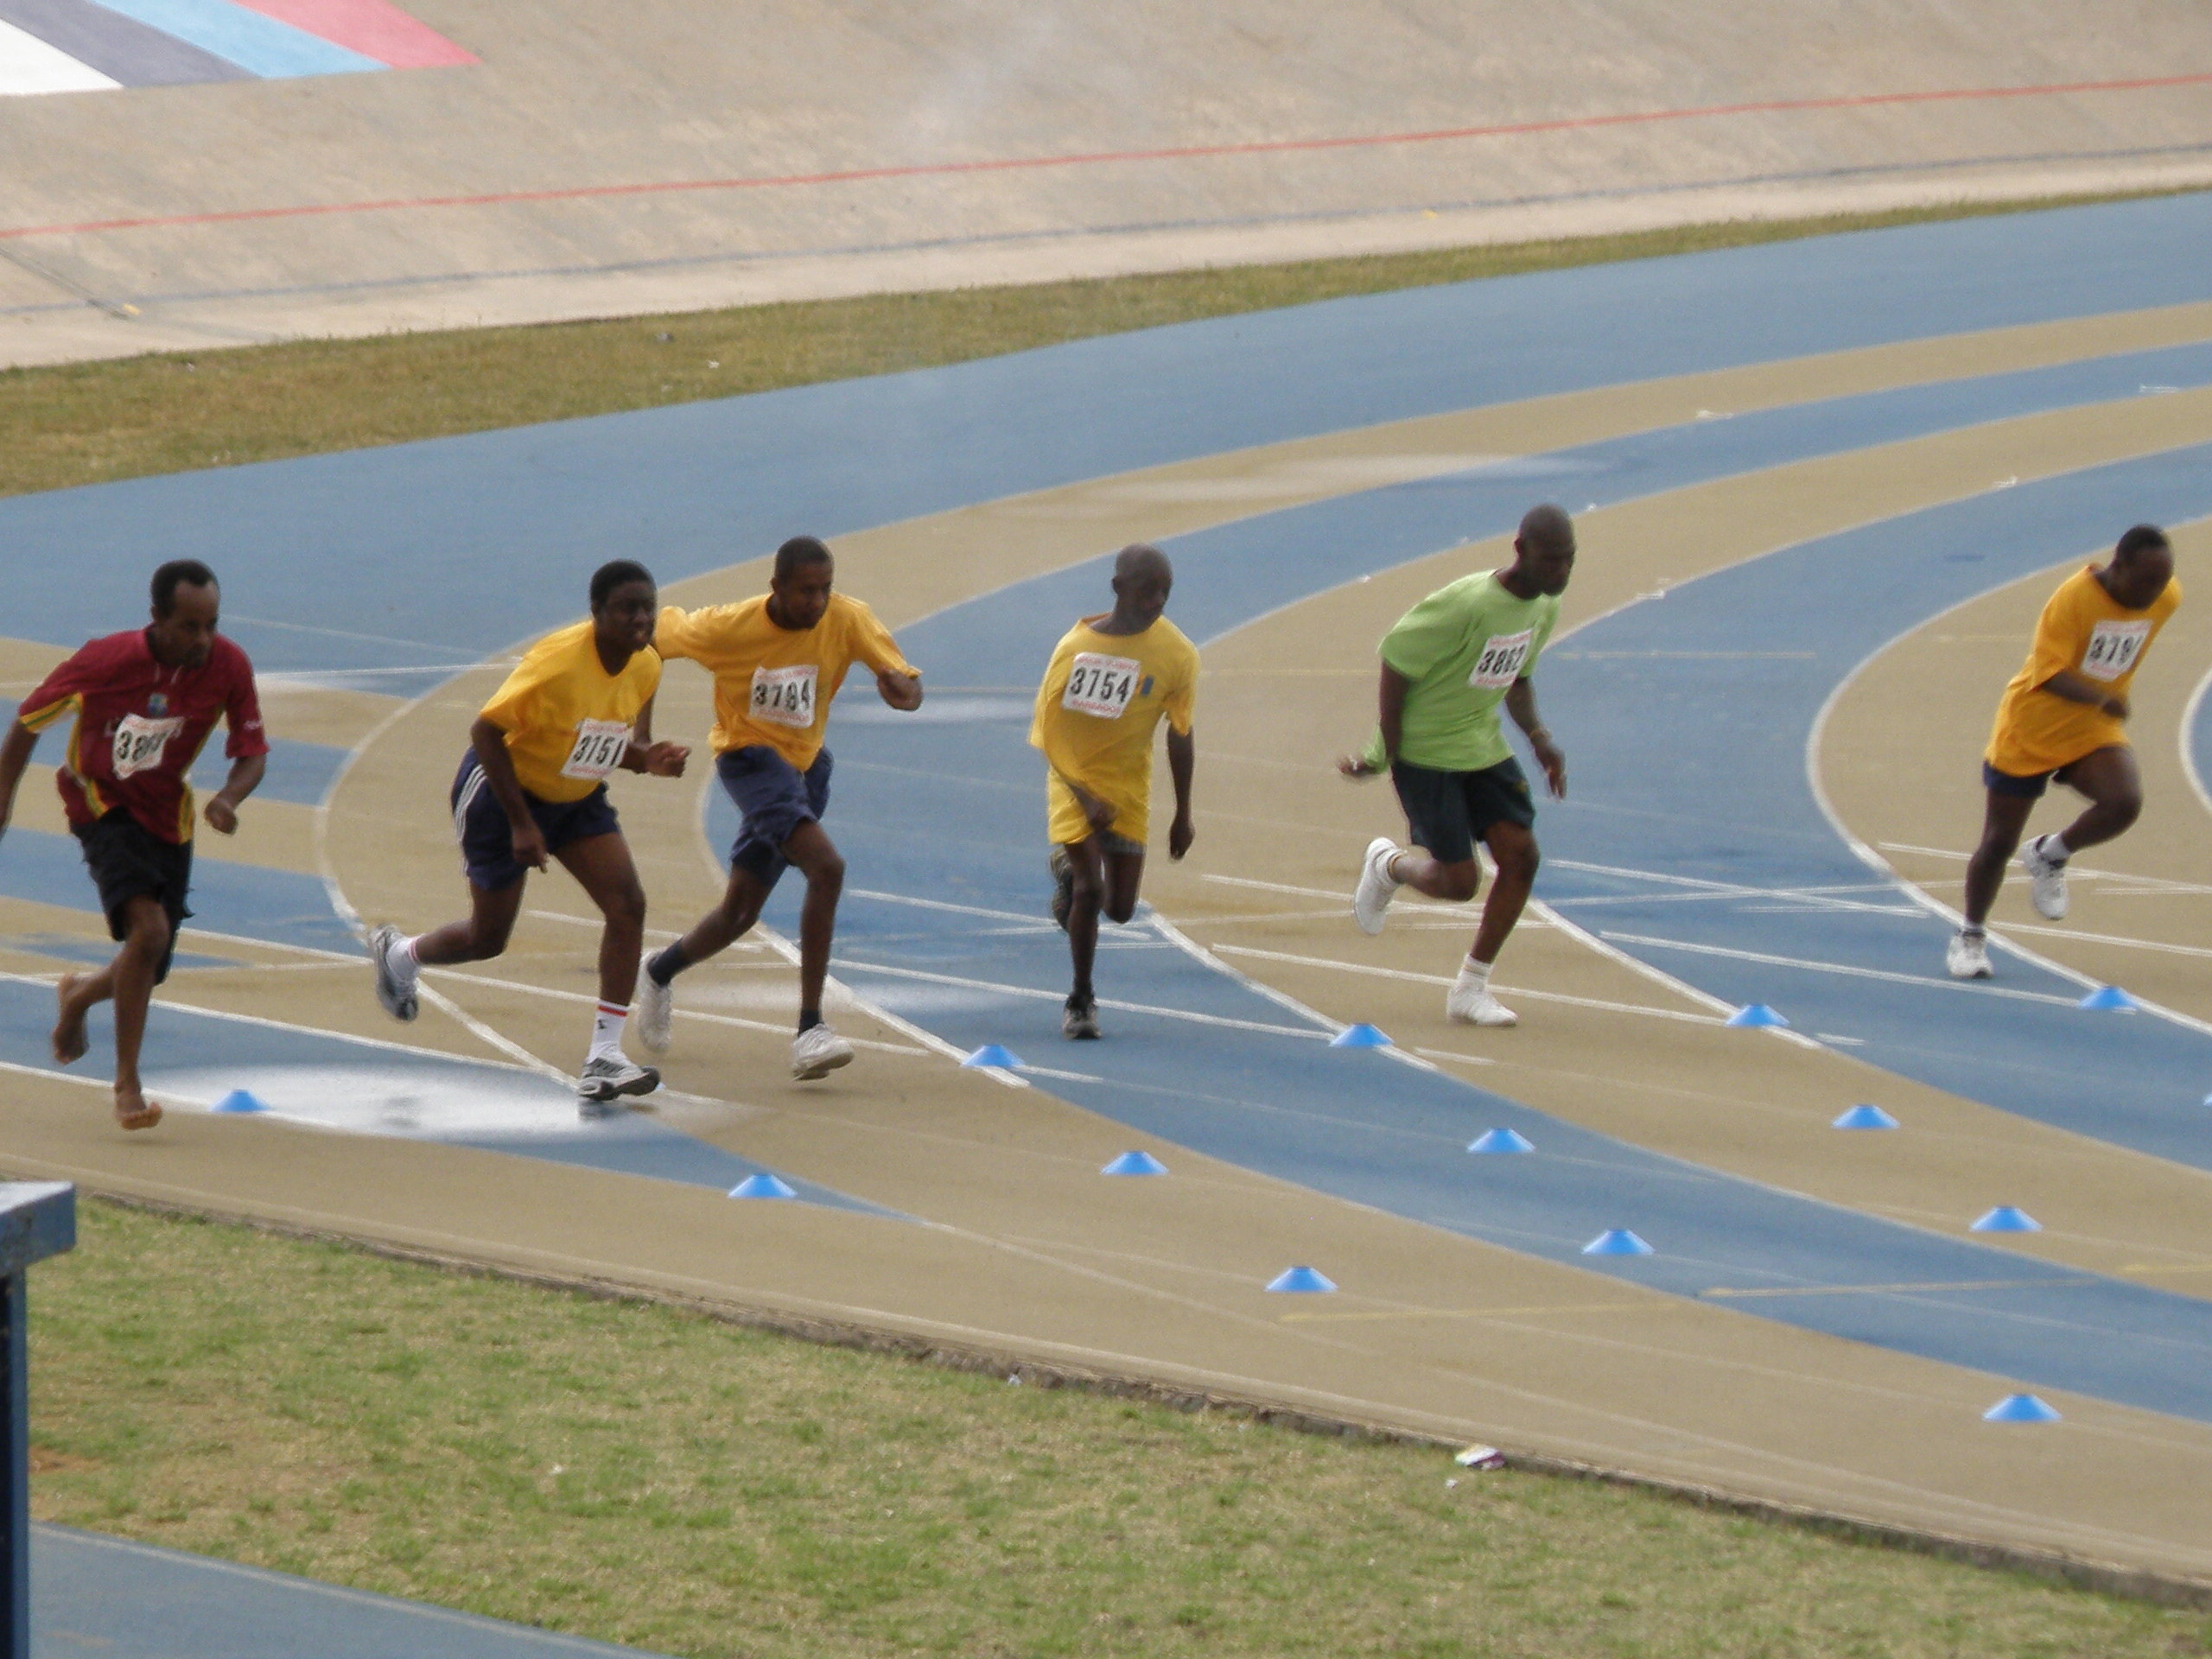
133, 1110
69, 1029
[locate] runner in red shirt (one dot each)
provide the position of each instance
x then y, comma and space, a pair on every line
144, 703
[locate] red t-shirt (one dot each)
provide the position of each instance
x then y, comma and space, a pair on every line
140, 727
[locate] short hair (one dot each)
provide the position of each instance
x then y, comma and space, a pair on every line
800, 549
186, 573
612, 575
2141, 539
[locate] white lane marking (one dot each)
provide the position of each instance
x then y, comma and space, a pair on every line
1340, 894
1456, 1060
1439, 979
2145, 884
29, 64
2189, 714
1702, 887
940, 904
1680, 988
1812, 966
1034, 994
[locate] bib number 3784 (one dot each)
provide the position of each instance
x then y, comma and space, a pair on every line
139, 742
598, 748
785, 697
1101, 685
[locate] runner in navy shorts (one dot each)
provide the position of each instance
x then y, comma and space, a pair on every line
775, 798
487, 844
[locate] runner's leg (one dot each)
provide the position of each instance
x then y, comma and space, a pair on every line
1513, 850
76, 997
2114, 783
491, 912
1455, 883
1087, 863
2002, 820
603, 865
135, 967
812, 852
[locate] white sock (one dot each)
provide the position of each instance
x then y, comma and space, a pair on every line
2055, 849
606, 1031
1390, 869
1474, 973
399, 957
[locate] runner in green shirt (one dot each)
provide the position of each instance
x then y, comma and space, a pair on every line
1447, 666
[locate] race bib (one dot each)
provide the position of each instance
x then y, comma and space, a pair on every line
139, 742
1504, 656
600, 746
1101, 685
2113, 647
785, 697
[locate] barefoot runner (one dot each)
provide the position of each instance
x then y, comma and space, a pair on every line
144, 703
1447, 666
2064, 716
1111, 679
777, 662
533, 786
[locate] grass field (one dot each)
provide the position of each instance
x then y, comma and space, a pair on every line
646, 1476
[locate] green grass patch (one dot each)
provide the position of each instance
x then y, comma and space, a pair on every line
646, 1476
91, 422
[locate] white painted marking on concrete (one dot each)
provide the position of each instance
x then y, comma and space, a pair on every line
30, 66
1978, 988
1439, 979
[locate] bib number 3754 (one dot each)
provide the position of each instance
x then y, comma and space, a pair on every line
785, 697
1101, 685
140, 742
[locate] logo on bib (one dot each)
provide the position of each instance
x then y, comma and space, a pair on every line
1101, 685
785, 697
2113, 648
1504, 656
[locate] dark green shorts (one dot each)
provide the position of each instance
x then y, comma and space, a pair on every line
1447, 813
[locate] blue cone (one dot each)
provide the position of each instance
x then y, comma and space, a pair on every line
1865, 1117
1755, 1013
1300, 1280
764, 1186
2007, 1218
1135, 1163
1501, 1141
1616, 1240
2019, 1408
240, 1099
1359, 1037
994, 1054
2109, 999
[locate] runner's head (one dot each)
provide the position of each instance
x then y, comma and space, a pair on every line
798, 592
1143, 577
186, 604
1543, 551
2141, 566
623, 602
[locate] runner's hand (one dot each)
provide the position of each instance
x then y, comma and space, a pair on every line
1355, 767
665, 759
222, 816
530, 844
1179, 834
1554, 764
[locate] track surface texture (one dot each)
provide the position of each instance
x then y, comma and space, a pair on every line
1822, 488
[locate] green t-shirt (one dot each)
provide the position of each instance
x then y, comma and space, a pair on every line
1462, 648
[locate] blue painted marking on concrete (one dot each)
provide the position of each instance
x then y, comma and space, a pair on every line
260, 44
1818, 610
419, 545
63, 947
128, 1600
297, 771
639, 1145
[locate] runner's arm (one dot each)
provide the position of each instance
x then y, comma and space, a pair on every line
1182, 755
1390, 698
1521, 703
902, 692
222, 809
657, 759
15, 755
2077, 688
490, 743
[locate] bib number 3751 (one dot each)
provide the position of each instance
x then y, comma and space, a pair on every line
785, 697
598, 748
139, 742
1101, 685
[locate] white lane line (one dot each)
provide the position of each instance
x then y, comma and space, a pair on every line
1439, 979
1034, 994
939, 903
1340, 895
2149, 884
1703, 888
2189, 714
1976, 986
1456, 1059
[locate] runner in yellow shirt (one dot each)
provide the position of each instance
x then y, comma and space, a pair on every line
2063, 717
533, 786
777, 662
1111, 680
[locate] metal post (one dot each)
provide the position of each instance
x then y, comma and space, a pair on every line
37, 1219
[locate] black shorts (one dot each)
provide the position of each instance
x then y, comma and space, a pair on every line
1447, 813
487, 840
129, 861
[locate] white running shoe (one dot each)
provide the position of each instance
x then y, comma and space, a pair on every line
1371, 897
656, 1007
397, 996
606, 1077
2049, 877
1968, 956
1471, 1004
816, 1051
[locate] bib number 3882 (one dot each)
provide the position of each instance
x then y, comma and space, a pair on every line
1101, 685
139, 742
1503, 657
598, 748
785, 697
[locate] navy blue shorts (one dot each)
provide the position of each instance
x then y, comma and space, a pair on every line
1447, 813
487, 840
775, 798
2027, 787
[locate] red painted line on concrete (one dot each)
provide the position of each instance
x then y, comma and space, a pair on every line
1030, 163
375, 28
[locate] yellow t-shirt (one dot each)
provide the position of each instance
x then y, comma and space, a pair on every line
568, 720
1102, 700
2083, 629
774, 686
